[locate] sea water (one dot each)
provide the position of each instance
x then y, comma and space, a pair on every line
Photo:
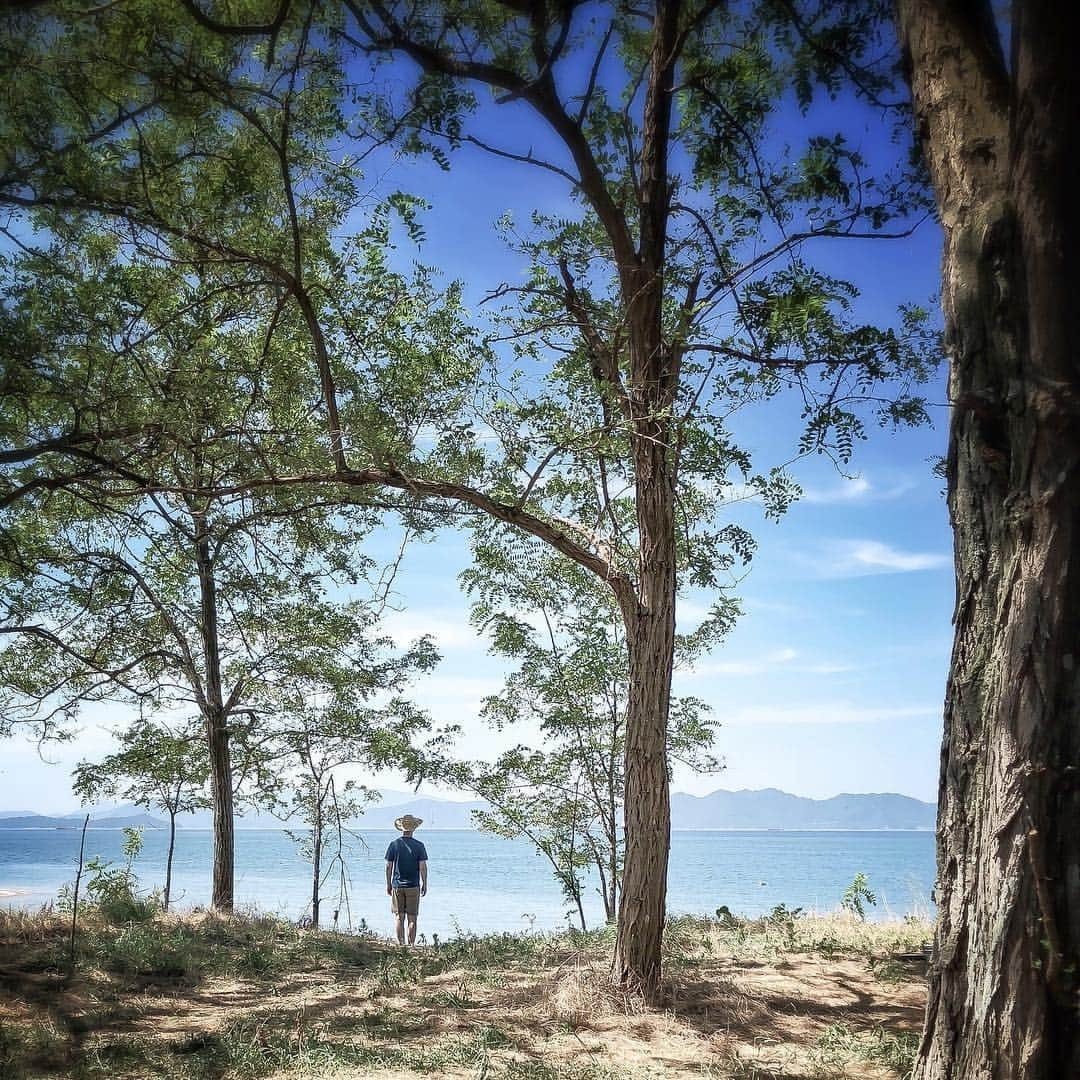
480, 883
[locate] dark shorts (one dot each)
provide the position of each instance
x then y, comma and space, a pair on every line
405, 901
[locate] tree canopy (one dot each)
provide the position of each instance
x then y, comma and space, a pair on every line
593, 410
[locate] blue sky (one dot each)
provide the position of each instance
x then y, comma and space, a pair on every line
833, 680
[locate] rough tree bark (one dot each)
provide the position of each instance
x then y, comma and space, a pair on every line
999, 142
639, 251
650, 621
217, 731
647, 805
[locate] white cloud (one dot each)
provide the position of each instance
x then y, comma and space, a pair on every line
453, 698
428, 434
753, 605
878, 556
763, 665
690, 614
827, 713
749, 666
855, 489
859, 558
448, 626
728, 493
736, 493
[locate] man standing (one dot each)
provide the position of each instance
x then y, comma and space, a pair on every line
406, 875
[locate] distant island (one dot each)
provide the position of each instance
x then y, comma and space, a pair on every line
767, 809
134, 818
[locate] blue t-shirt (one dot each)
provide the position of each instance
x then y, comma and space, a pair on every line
406, 853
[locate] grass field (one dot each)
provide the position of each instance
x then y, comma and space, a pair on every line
198, 996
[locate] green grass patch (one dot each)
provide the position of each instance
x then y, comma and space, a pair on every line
81, 1031
840, 1044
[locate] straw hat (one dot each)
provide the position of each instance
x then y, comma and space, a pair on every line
406, 823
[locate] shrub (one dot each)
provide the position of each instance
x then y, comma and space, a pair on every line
857, 895
111, 888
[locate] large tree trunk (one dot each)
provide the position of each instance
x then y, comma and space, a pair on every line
217, 732
1002, 153
650, 618
647, 805
221, 793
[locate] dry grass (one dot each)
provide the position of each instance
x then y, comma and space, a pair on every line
206, 997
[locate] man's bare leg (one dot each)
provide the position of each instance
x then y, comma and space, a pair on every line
412, 929
401, 928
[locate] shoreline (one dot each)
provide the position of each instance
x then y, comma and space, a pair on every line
478, 832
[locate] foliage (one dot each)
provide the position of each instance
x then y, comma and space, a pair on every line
564, 632
126, 573
166, 368
839, 1044
785, 919
857, 895
346, 710
768, 939
112, 889
156, 767
201, 141
598, 413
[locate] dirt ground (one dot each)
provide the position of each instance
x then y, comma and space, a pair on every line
754, 1004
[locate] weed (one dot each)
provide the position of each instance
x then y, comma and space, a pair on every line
111, 888
839, 1044
897, 1050
27, 1049
828, 946
857, 895
888, 970
532, 1069
783, 919
454, 999
142, 949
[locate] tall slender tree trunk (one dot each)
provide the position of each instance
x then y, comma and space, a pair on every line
650, 618
221, 794
611, 901
316, 864
1001, 146
609, 915
611, 832
217, 732
169, 860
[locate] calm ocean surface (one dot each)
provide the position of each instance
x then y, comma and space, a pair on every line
483, 883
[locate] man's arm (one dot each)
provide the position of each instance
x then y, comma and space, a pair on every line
389, 875
423, 878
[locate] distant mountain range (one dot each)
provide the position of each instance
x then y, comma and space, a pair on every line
765, 809
774, 809
135, 817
